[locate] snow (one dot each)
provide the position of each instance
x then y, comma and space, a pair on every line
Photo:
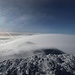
40, 65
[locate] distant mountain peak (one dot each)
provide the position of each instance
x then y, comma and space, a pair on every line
29, 42
47, 51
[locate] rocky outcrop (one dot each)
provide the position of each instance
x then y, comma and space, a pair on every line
51, 64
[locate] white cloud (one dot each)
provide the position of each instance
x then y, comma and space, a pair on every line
25, 43
64, 42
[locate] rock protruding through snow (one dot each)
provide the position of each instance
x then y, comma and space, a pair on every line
50, 64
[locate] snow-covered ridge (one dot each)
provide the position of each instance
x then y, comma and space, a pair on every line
50, 64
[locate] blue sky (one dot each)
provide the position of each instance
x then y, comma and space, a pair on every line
41, 16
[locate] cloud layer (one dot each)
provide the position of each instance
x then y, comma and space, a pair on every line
65, 43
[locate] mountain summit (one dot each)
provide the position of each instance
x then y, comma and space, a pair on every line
51, 64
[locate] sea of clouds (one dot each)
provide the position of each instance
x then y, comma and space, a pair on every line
24, 43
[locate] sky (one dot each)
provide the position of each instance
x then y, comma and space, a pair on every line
38, 16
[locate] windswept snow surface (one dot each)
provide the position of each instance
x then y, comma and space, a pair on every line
23, 44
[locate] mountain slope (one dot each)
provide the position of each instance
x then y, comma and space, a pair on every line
50, 64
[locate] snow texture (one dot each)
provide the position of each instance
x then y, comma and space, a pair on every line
50, 64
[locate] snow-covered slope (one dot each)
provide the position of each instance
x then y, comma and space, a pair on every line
50, 64
25, 45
